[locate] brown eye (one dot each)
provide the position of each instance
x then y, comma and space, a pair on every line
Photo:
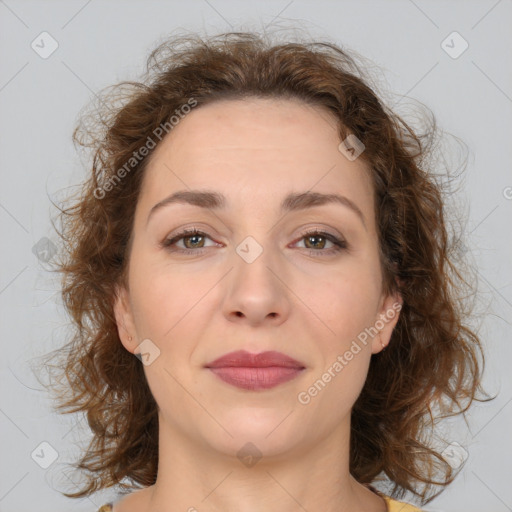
193, 240
315, 242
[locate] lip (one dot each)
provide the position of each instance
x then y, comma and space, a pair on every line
255, 371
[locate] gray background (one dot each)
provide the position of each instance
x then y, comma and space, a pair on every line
103, 42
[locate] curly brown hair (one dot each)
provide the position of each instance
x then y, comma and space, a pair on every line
432, 365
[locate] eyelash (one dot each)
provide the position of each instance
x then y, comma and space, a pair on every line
339, 245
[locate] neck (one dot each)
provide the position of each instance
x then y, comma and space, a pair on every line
200, 479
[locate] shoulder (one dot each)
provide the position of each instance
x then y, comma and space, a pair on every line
399, 506
391, 504
106, 508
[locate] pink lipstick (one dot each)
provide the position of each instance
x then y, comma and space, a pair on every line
255, 371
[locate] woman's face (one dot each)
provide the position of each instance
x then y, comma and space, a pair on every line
254, 279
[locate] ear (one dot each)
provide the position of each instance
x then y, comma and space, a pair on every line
386, 320
124, 319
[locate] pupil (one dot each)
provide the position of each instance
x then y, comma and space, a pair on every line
315, 237
192, 237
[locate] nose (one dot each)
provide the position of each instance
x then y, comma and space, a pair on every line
256, 291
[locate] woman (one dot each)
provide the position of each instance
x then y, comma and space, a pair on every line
267, 307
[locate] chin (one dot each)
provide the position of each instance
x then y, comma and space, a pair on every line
249, 449
263, 428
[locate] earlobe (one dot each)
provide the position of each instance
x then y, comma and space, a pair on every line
386, 321
124, 319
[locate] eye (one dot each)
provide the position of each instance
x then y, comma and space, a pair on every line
315, 241
193, 240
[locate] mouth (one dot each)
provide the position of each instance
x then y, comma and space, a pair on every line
254, 372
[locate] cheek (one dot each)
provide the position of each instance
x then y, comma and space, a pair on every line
347, 304
163, 296
346, 308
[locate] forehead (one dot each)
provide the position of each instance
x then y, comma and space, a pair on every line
254, 150
253, 124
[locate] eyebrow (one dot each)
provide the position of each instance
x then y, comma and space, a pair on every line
292, 202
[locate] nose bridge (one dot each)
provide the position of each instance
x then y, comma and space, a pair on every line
253, 260
257, 230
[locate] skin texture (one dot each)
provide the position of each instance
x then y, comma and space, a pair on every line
197, 307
